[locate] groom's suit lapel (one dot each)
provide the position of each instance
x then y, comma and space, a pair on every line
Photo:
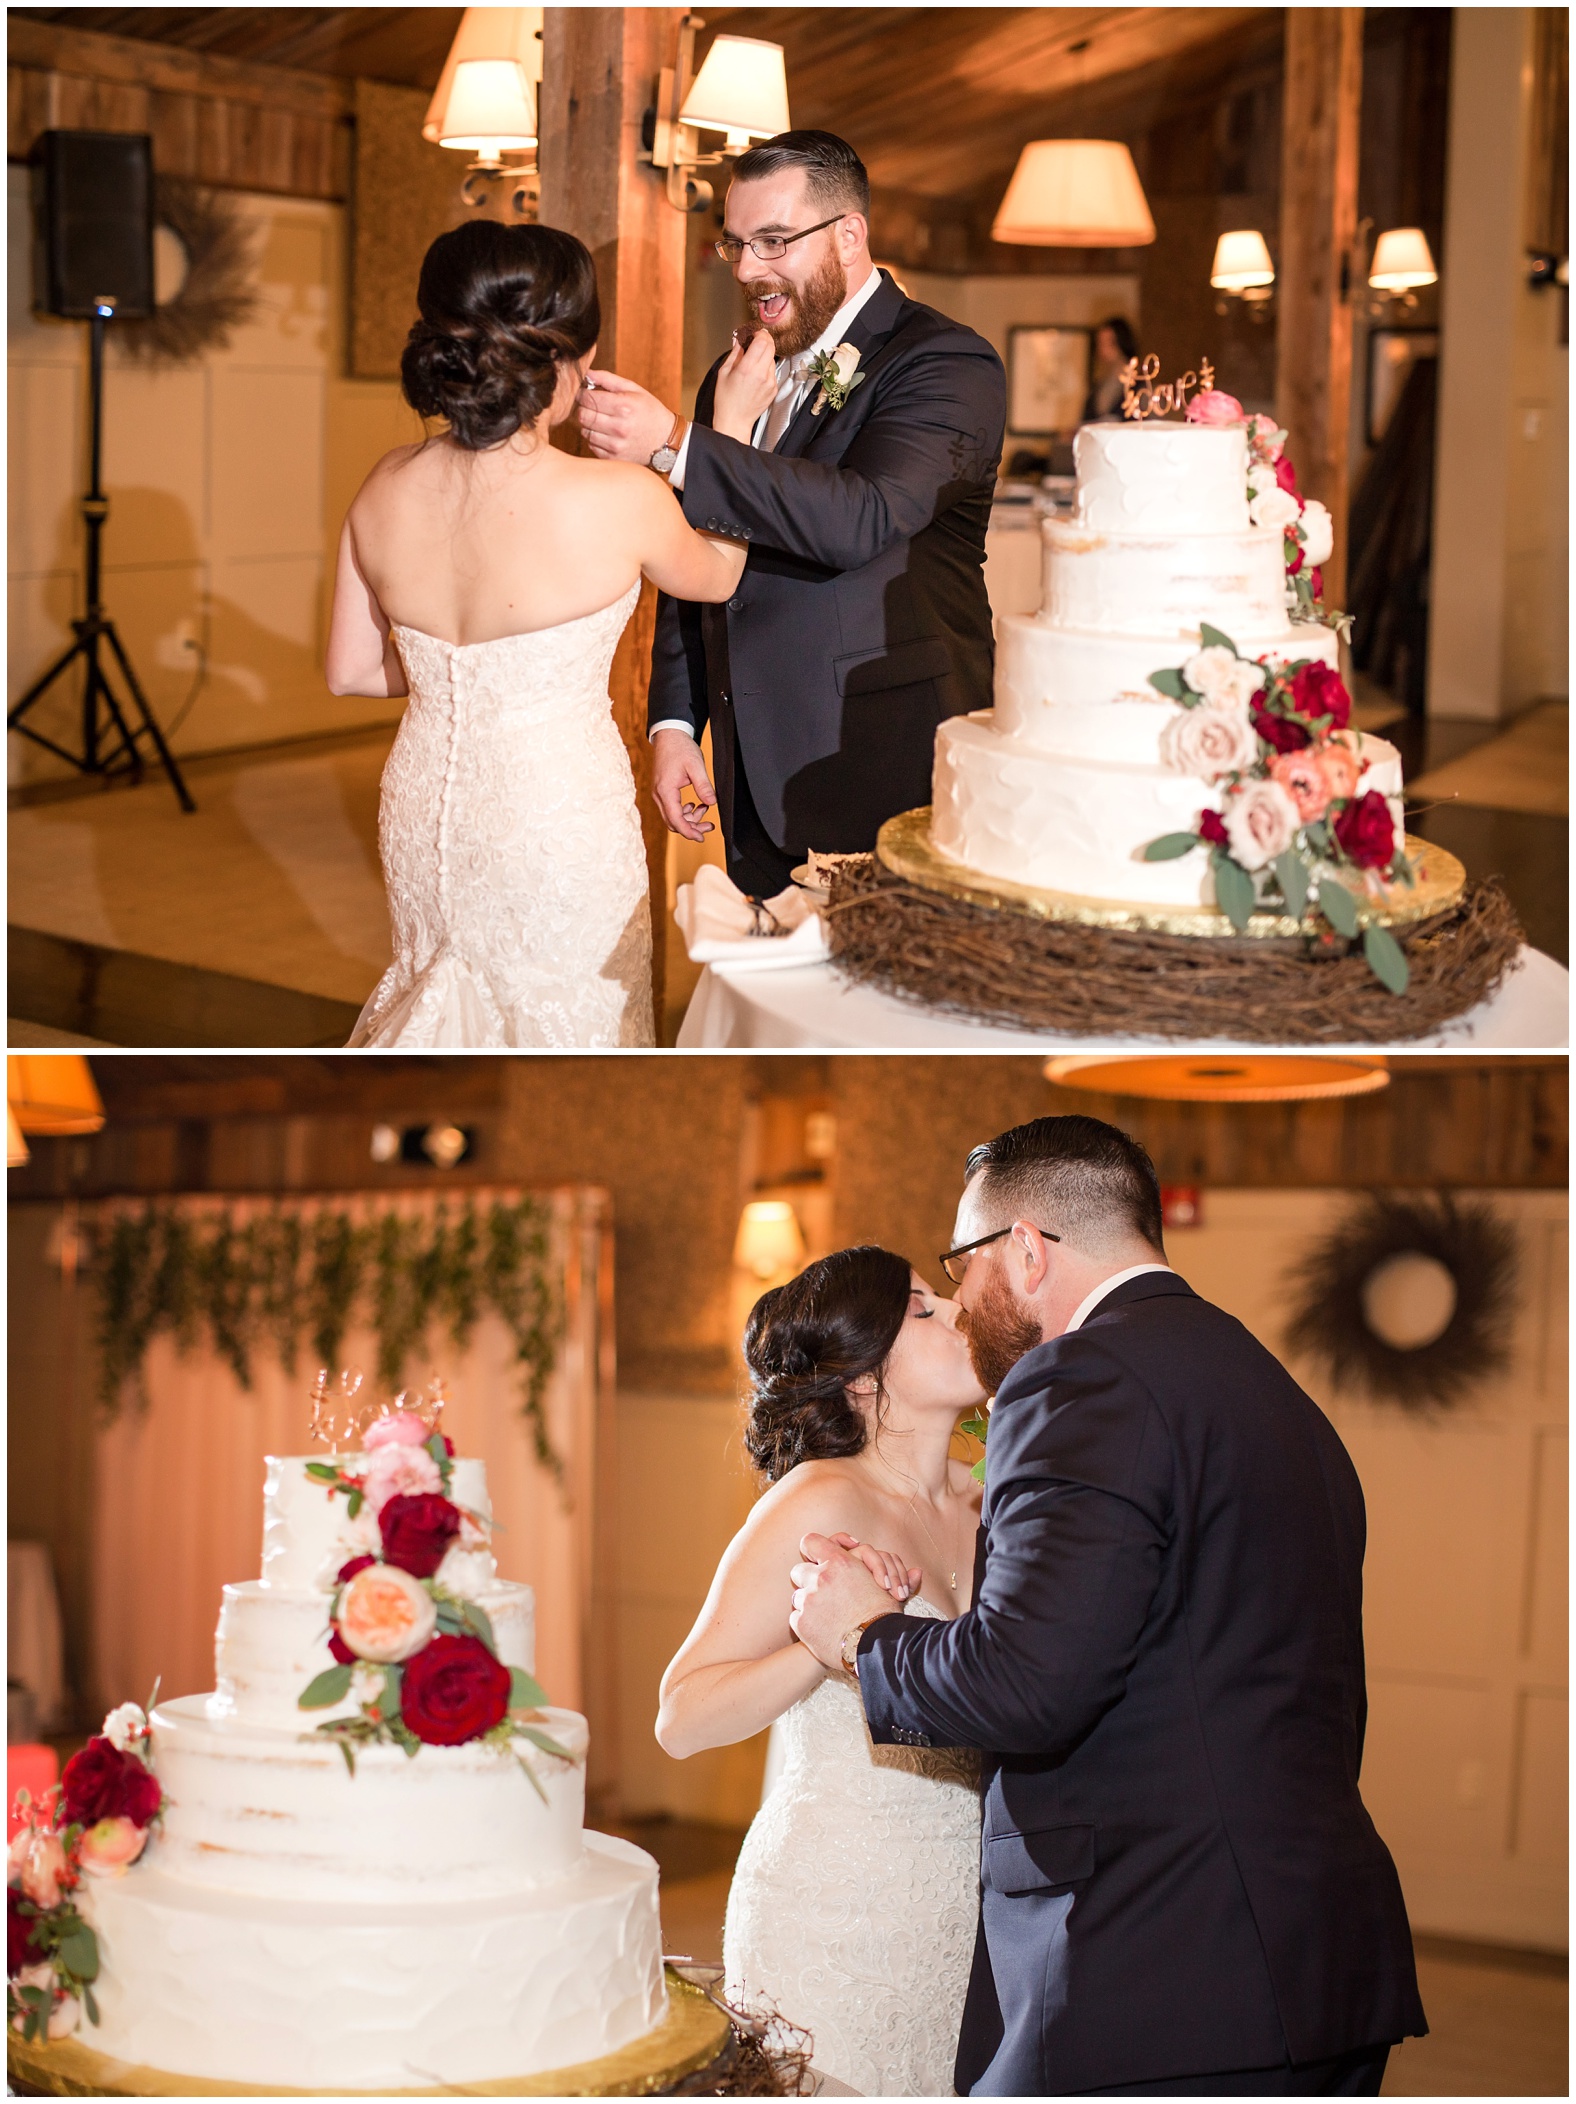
868, 330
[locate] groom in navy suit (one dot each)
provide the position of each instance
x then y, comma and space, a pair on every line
861, 621
1182, 1893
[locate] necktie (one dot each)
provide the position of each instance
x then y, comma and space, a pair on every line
780, 414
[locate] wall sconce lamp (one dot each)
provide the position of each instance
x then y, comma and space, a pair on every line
1242, 271
740, 91
485, 101
1074, 193
53, 1094
1402, 262
769, 1241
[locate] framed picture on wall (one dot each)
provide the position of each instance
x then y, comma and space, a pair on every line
1047, 378
1391, 355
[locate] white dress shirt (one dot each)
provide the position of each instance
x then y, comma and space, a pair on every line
1091, 1301
793, 383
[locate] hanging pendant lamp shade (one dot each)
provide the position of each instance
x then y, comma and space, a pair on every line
741, 89
1402, 260
488, 33
52, 1093
1075, 193
1210, 1077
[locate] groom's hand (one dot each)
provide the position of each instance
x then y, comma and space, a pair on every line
833, 1593
676, 765
622, 421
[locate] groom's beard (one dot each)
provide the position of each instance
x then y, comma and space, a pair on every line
810, 307
998, 1333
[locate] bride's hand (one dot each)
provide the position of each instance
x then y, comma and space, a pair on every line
901, 1580
745, 387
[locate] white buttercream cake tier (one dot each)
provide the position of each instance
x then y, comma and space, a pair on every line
307, 1530
312, 1992
1148, 583
262, 1811
1161, 477
271, 1643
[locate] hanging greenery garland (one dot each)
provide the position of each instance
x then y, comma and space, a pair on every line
1338, 1309
280, 1278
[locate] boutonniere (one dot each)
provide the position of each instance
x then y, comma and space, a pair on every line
838, 374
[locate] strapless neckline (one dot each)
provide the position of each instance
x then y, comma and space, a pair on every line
520, 635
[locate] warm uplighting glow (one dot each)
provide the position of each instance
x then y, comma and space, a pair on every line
491, 111
741, 89
1402, 261
1075, 193
769, 1240
1220, 1077
1242, 261
52, 1093
510, 33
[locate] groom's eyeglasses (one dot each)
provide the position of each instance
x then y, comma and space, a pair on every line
767, 248
956, 1261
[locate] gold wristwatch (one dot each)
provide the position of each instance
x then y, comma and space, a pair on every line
849, 1655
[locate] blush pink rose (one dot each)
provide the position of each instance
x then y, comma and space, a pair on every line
1214, 408
1265, 438
38, 1862
109, 1848
1209, 743
399, 1472
385, 1614
1304, 781
1261, 821
399, 1428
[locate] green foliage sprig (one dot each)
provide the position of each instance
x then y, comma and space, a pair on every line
278, 1279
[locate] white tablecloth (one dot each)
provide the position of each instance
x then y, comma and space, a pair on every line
813, 1007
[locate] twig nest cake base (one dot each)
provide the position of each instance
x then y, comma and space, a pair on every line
692, 2035
934, 933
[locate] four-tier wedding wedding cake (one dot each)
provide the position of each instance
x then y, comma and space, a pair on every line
1174, 566
371, 1870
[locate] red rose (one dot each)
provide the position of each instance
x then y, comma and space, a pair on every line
448, 1445
1317, 579
1212, 828
1366, 831
19, 1947
1294, 560
417, 1531
1286, 476
101, 1782
1317, 691
453, 1690
347, 1571
1285, 733
339, 1649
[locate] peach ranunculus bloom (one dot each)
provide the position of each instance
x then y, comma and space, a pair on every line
1214, 407
38, 1859
399, 1428
109, 1848
1304, 781
1340, 767
399, 1471
385, 1614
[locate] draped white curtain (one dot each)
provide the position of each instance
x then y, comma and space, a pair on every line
179, 1488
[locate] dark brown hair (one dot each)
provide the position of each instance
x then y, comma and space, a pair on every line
834, 173
1077, 1176
502, 307
806, 1341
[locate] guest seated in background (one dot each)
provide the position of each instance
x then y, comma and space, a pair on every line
1114, 344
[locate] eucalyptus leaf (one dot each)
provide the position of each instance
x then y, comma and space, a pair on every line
1234, 890
1216, 639
322, 1472
1292, 877
479, 1623
328, 1688
545, 1742
355, 1502
89, 2004
1386, 958
393, 1682
1338, 907
78, 1953
531, 1776
1169, 682
1169, 846
524, 1691
349, 1753
1317, 836
978, 1470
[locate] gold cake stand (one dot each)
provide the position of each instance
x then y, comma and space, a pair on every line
904, 846
690, 2036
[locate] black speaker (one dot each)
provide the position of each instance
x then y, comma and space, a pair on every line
94, 223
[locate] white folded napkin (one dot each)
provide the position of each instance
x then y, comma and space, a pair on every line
721, 926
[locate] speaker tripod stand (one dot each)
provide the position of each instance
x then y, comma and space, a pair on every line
109, 748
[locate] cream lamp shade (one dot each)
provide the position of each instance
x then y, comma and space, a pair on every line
741, 89
15, 1145
1402, 260
1241, 261
52, 1093
486, 33
1075, 193
491, 108
769, 1240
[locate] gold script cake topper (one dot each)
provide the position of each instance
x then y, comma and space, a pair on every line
340, 1419
1141, 397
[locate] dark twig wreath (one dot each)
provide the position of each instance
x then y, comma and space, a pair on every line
1328, 1322
219, 291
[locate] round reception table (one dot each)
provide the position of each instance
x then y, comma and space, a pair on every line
813, 1007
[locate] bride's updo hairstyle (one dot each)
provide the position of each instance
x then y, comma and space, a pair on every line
502, 307
806, 1342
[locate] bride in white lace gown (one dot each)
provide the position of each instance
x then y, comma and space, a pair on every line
856, 1896
488, 575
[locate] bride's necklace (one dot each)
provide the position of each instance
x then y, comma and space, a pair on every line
913, 1503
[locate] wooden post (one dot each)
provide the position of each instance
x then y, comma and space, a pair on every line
1313, 358
599, 74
